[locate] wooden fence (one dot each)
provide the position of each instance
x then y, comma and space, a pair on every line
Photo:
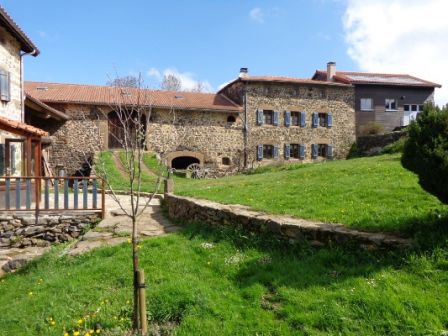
52, 194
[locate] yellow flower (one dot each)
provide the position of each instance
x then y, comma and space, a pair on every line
76, 333
66, 334
80, 321
30, 294
98, 331
87, 334
53, 322
91, 331
129, 241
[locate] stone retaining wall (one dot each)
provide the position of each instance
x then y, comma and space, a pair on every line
21, 230
373, 144
291, 229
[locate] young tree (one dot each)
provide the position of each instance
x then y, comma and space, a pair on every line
426, 150
132, 107
171, 83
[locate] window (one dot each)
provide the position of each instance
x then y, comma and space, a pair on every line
268, 151
225, 161
366, 104
295, 118
231, 119
321, 150
5, 86
268, 117
294, 151
322, 119
391, 104
412, 108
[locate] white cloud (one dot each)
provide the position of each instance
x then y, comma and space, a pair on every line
400, 36
188, 80
257, 15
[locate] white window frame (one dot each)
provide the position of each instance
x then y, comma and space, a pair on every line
388, 104
365, 100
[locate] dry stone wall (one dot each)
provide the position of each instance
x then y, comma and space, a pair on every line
22, 230
287, 228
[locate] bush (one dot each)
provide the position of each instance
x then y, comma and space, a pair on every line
372, 128
426, 151
395, 147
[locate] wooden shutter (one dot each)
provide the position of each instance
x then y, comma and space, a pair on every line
5, 86
314, 151
287, 118
301, 152
275, 118
275, 152
329, 152
260, 152
259, 117
287, 151
302, 119
315, 119
329, 120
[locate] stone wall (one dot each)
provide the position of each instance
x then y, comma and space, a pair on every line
287, 228
304, 98
21, 229
205, 132
373, 144
10, 61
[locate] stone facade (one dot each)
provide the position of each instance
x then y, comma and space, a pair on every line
282, 227
337, 100
22, 230
10, 61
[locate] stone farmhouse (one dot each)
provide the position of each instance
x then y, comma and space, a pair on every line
251, 121
392, 100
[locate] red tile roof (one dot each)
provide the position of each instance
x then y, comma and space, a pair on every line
350, 77
18, 127
109, 95
282, 79
26, 44
48, 109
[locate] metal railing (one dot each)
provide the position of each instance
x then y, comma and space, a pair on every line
52, 194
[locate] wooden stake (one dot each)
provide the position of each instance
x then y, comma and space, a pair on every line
142, 301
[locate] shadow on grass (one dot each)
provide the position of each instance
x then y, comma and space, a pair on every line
300, 265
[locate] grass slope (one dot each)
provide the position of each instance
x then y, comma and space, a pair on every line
214, 281
374, 193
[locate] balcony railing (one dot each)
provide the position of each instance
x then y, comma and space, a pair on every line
52, 194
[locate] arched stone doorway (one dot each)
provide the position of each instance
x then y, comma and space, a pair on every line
119, 122
182, 159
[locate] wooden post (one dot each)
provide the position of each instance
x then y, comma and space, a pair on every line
142, 301
103, 199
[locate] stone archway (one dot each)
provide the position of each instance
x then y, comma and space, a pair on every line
181, 159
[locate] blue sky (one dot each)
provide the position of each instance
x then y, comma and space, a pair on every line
87, 41
90, 41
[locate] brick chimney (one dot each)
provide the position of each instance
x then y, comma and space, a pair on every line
244, 72
331, 71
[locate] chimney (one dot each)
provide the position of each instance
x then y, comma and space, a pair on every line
331, 71
244, 72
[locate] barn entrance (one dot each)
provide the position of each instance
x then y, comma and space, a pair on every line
182, 162
122, 123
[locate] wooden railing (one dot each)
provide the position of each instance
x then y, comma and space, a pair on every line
52, 194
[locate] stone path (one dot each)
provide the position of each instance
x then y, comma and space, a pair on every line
114, 229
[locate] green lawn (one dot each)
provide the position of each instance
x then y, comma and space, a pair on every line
374, 193
214, 281
119, 181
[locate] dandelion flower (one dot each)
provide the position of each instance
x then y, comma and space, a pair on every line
80, 321
66, 334
53, 323
76, 333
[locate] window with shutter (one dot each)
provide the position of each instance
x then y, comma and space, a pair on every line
315, 119
329, 120
287, 151
275, 152
329, 152
5, 85
294, 151
301, 152
260, 152
275, 118
287, 118
302, 119
314, 151
259, 117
